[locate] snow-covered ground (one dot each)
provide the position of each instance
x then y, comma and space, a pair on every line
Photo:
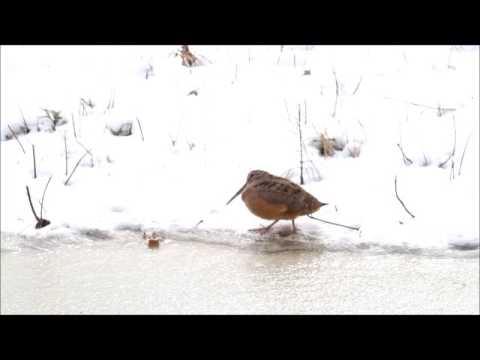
197, 149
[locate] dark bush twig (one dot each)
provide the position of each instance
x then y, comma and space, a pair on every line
87, 150
300, 142
31, 205
54, 116
332, 223
452, 153
140, 126
40, 222
305, 111
73, 124
406, 160
34, 163
400, 200
463, 154
337, 92
75, 168
16, 138
440, 110
43, 196
358, 85
66, 154
27, 129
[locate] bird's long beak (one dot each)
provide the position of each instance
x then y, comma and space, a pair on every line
323, 204
237, 193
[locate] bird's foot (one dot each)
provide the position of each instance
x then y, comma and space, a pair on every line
261, 231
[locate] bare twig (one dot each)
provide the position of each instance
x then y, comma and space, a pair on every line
301, 142
34, 163
31, 205
85, 148
358, 85
25, 122
88, 151
463, 154
405, 158
66, 154
73, 124
305, 110
40, 222
75, 168
440, 110
400, 200
452, 170
332, 223
43, 196
452, 153
16, 138
336, 94
140, 126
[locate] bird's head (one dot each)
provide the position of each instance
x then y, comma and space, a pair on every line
252, 176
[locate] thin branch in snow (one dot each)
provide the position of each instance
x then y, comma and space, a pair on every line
16, 138
40, 222
400, 200
31, 205
305, 110
87, 150
358, 85
440, 110
452, 170
301, 142
463, 154
73, 124
34, 163
27, 129
43, 197
452, 153
140, 126
406, 160
75, 168
337, 92
66, 154
332, 223
281, 51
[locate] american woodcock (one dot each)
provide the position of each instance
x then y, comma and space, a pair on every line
275, 198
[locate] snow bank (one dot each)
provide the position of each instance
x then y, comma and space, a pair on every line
197, 148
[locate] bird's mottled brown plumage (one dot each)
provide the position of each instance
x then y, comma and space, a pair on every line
275, 198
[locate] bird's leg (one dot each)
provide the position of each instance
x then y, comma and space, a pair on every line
264, 230
289, 232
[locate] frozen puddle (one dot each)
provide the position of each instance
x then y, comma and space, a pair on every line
224, 272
